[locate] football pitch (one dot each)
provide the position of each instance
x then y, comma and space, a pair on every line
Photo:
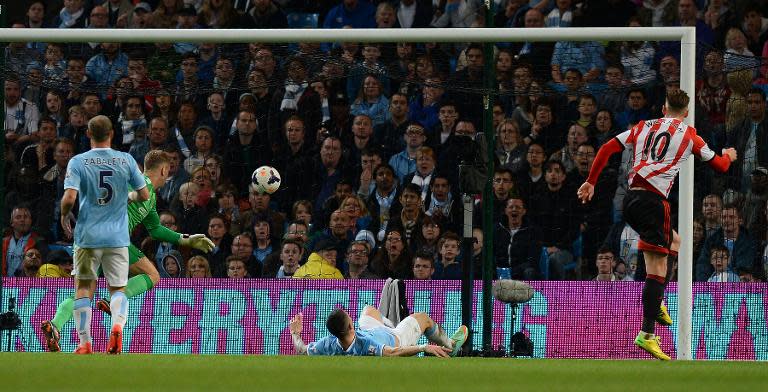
140, 372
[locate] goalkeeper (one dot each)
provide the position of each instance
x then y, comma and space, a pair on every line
145, 275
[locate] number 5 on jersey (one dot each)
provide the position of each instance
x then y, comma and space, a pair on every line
106, 191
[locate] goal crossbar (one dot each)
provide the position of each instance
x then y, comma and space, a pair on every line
349, 35
685, 35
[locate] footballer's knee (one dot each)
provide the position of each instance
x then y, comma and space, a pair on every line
422, 318
369, 310
145, 266
154, 276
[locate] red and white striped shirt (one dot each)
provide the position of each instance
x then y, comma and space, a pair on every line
659, 149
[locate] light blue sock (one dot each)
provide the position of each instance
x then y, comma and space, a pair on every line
119, 306
82, 313
431, 330
435, 334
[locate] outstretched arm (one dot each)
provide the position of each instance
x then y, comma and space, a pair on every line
587, 190
295, 327
157, 231
161, 233
719, 163
601, 159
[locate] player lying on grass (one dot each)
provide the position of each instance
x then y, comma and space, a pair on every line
377, 336
143, 271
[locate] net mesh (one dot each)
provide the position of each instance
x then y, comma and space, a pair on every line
602, 87
361, 104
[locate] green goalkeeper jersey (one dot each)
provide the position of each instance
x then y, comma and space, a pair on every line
145, 213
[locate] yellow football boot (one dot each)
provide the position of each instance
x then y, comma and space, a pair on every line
663, 316
650, 343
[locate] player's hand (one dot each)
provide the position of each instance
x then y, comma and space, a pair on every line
438, 351
66, 224
585, 192
296, 323
730, 153
197, 241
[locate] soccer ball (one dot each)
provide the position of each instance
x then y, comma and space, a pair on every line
265, 179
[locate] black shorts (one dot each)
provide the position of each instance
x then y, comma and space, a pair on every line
648, 214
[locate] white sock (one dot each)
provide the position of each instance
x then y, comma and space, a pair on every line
436, 334
119, 306
82, 313
647, 335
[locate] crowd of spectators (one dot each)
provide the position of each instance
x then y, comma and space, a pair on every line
376, 143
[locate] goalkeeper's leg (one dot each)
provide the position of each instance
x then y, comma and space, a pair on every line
144, 276
63, 312
51, 328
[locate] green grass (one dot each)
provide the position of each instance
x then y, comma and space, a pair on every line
138, 372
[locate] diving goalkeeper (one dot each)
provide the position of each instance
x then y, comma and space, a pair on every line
145, 275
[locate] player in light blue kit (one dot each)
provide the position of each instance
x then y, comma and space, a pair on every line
101, 178
378, 337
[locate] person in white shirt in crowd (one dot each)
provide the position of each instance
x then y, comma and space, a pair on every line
719, 258
21, 116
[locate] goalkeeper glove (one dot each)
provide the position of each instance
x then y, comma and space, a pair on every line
197, 241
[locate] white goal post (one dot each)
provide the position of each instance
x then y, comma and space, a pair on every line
686, 36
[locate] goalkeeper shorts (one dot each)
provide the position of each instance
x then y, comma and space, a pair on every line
134, 254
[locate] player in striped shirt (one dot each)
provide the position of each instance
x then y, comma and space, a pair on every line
660, 147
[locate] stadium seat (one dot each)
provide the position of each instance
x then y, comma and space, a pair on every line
574, 264
544, 263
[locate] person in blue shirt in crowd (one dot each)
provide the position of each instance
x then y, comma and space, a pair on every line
358, 14
107, 67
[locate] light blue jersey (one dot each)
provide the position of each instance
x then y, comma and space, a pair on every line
102, 178
369, 342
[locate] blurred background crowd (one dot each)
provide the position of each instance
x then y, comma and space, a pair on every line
377, 143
